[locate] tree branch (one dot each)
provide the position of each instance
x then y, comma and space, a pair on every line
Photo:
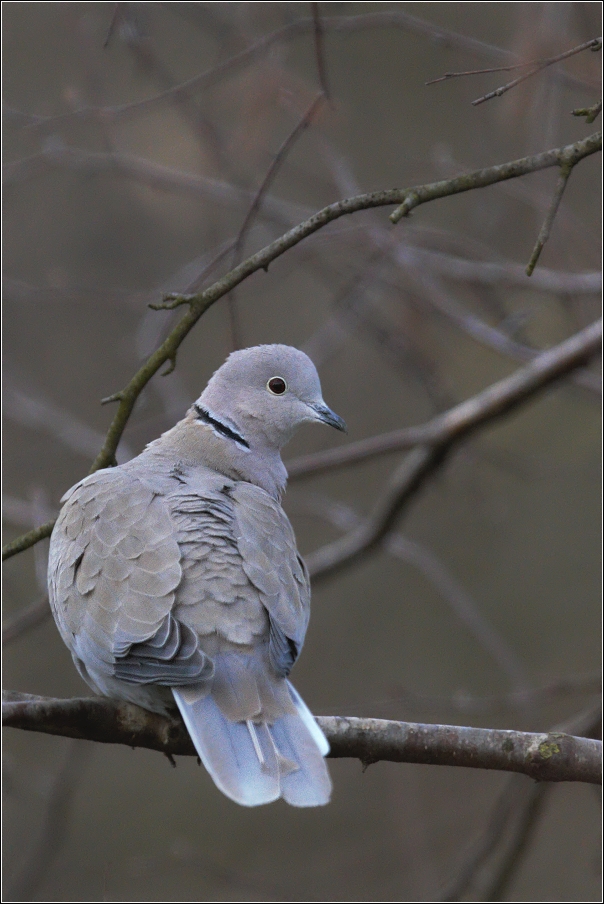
565, 171
345, 24
480, 178
594, 44
494, 401
551, 756
199, 303
449, 429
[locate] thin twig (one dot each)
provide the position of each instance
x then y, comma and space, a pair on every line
406, 198
344, 24
594, 44
320, 50
254, 208
547, 756
114, 20
565, 171
448, 75
539, 64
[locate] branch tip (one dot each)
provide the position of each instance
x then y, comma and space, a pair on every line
590, 113
566, 168
171, 301
116, 397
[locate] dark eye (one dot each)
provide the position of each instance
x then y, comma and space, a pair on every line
276, 385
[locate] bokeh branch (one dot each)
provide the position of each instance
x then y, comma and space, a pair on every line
459, 421
447, 430
548, 756
538, 65
204, 80
199, 303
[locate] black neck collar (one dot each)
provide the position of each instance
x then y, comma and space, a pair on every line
223, 429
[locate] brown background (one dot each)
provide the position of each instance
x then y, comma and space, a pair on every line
513, 517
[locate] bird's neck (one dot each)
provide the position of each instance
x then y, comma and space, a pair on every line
207, 442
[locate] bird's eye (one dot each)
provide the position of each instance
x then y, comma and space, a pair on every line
276, 385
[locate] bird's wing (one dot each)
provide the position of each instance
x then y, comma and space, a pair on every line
114, 567
267, 545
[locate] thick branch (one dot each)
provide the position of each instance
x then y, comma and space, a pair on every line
553, 756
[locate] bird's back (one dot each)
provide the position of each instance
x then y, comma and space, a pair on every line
172, 577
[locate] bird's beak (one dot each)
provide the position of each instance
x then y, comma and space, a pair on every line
327, 416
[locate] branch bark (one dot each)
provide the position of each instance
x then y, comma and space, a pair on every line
550, 756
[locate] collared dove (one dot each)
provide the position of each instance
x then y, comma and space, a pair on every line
175, 577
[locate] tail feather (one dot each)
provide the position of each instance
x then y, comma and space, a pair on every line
254, 761
228, 752
309, 720
309, 785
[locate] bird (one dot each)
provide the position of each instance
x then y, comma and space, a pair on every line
174, 579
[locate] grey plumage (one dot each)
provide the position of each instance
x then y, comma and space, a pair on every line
175, 577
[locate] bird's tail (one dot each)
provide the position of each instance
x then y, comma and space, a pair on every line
276, 752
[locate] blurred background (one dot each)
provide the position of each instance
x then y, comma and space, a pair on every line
136, 136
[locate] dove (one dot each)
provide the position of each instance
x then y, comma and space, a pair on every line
174, 579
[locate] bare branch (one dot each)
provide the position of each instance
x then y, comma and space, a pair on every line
445, 428
565, 171
590, 113
480, 178
550, 756
320, 50
449, 75
345, 24
26, 540
513, 805
594, 44
165, 178
198, 304
254, 208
